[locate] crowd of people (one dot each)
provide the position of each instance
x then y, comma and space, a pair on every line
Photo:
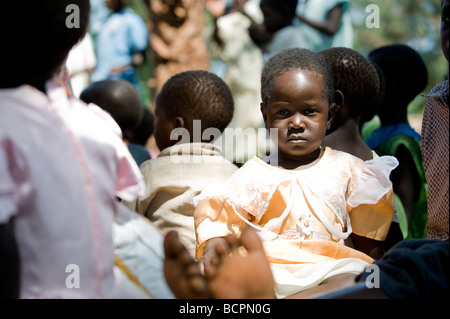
91, 208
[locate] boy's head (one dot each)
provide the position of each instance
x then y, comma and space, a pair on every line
119, 98
144, 130
278, 13
355, 77
404, 72
188, 96
37, 37
296, 59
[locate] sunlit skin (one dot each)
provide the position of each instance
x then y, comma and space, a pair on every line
299, 110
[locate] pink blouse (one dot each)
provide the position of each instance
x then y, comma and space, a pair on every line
62, 164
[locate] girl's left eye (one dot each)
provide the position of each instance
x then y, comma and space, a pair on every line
310, 111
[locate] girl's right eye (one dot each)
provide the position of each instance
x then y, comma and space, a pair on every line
283, 112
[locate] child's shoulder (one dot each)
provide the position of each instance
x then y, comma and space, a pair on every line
379, 166
257, 171
190, 158
337, 157
331, 157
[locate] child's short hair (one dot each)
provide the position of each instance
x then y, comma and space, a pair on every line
144, 130
404, 71
296, 59
38, 35
372, 107
354, 76
119, 98
198, 95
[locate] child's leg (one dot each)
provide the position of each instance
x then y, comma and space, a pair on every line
182, 273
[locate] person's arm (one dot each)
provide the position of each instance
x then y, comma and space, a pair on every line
9, 262
331, 24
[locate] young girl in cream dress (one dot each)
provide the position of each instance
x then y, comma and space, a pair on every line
321, 212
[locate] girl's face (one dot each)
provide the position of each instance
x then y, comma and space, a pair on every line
299, 112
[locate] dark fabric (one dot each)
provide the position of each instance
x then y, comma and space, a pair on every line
139, 153
9, 262
415, 268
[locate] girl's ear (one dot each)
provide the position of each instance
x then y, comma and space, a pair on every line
335, 111
338, 97
179, 122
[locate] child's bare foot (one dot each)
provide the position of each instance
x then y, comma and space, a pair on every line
216, 249
243, 274
182, 273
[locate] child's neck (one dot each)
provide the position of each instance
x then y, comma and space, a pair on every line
348, 139
294, 163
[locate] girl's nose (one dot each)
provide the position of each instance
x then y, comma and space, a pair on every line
296, 122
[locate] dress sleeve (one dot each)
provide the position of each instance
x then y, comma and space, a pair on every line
249, 188
371, 201
214, 217
15, 180
372, 182
129, 183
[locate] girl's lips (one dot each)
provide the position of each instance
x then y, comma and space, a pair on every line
296, 139
296, 142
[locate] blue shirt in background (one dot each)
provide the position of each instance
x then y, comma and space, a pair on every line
123, 34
